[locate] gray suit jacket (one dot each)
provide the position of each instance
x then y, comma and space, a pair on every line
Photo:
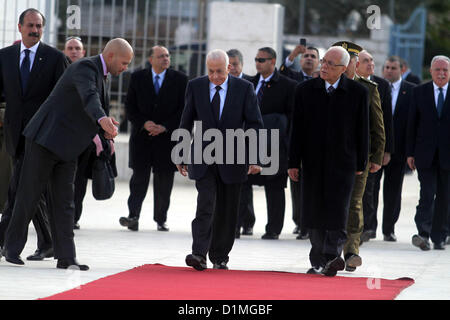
68, 120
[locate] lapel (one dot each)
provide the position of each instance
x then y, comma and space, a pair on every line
446, 103
15, 67
429, 92
229, 99
101, 83
165, 82
205, 103
39, 61
400, 98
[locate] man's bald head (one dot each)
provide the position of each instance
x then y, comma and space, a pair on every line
117, 54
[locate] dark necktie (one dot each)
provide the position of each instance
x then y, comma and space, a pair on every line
306, 78
260, 93
156, 84
216, 103
440, 103
330, 90
25, 70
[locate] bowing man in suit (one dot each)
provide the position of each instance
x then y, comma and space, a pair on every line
330, 142
154, 104
394, 171
217, 101
59, 132
29, 71
428, 141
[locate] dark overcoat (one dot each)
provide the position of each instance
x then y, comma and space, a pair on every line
165, 108
330, 141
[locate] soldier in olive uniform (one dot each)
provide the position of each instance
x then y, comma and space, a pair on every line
377, 141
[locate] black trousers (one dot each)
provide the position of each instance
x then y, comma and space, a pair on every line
432, 212
213, 229
162, 189
275, 202
42, 168
325, 245
246, 218
297, 200
81, 181
40, 218
394, 173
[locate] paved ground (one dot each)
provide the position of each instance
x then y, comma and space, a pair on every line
108, 248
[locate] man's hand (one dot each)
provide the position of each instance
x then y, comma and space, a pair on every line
153, 128
109, 125
386, 158
297, 50
182, 169
293, 174
254, 169
374, 167
411, 163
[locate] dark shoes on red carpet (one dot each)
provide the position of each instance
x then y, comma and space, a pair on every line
221, 266
315, 270
41, 254
352, 261
72, 264
131, 223
196, 262
269, 236
421, 242
333, 266
390, 237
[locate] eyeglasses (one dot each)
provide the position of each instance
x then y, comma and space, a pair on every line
330, 63
161, 56
73, 38
262, 60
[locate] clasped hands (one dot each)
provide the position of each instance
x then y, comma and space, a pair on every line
153, 128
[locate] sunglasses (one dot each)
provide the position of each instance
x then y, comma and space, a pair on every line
262, 60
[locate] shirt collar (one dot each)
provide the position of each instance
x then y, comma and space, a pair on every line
224, 85
33, 49
396, 84
437, 88
105, 70
266, 79
161, 75
335, 85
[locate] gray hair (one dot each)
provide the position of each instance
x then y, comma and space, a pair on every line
218, 54
441, 57
345, 57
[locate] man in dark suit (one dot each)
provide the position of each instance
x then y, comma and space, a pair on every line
330, 142
407, 74
217, 102
236, 64
309, 62
29, 71
394, 171
59, 132
154, 104
428, 141
365, 68
275, 94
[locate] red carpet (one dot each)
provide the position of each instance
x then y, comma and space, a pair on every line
159, 282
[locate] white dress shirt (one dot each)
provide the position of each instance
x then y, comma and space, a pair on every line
32, 49
222, 93
335, 85
161, 77
436, 92
395, 90
261, 78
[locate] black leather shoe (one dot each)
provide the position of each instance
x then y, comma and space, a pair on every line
333, 266
221, 266
269, 236
162, 227
131, 223
72, 264
41, 254
196, 262
352, 261
439, 245
76, 226
315, 270
447, 241
237, 234
247, 231
390, 237
14, 259
421, 242
303, 236
296, 230
367, 235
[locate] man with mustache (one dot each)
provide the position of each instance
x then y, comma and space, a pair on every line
28, 72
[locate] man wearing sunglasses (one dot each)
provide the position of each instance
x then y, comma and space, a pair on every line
274, 93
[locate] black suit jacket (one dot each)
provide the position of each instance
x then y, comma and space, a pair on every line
384, 89
292, 74
240, 111
67, 121
276, 109
142, 104
48, 66
401, 120
412, 78
428, 133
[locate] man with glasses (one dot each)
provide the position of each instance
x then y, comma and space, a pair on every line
154, 104
274, 93
330, 142
29, 70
